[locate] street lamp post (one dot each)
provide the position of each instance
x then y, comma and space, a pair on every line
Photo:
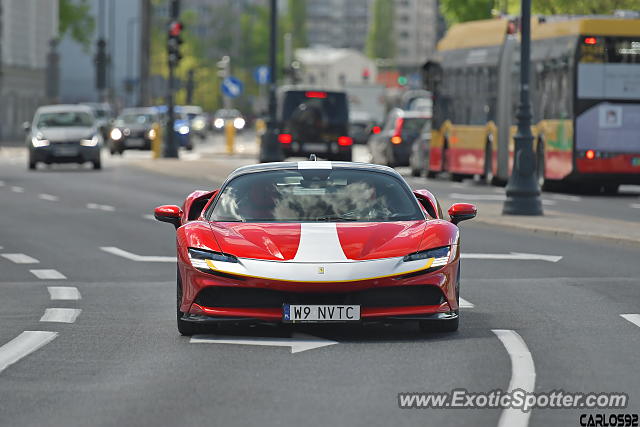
523, 190
270, 150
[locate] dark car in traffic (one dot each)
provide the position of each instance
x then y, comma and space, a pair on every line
134, 128
63, 134
313, 121
392, 146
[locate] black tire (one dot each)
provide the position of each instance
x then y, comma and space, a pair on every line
416, 172
431, 174
443, 162
438, 326
487, 176
97, 164
610, 188
187, 328
32, 164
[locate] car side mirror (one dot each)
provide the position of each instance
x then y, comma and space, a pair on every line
168, 213
462, 212
26, 126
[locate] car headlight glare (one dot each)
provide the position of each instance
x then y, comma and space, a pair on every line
38, 141
198, 124
92, 142
441, 256
199, 258
238, 123
151, 134
116, 134
183, 130
218, 123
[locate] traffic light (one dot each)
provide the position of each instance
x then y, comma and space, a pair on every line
174, 41
402, 80
101, 64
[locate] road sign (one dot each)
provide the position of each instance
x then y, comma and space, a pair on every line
231, 87
262, 75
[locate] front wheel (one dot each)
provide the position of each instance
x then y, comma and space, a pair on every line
487, 176
97, 164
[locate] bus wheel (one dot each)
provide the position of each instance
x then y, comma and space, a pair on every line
540, 166
487, 177
443, 160
610, 188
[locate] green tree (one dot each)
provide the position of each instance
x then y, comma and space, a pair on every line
381, 39
297, 22
468, 10
578, 7
76, 20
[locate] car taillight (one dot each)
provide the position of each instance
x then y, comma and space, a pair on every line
285, 138
315, 94
590, 40
590, 154
345, 141
396, 139
376, 130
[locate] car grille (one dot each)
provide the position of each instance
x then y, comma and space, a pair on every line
393, 296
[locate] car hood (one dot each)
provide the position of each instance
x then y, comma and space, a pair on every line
319, 242
66, 133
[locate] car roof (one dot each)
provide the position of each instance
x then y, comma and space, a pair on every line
141, 110
64, 108
264, 167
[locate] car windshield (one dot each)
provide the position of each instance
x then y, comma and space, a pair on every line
142, 119
309, 195
301, 106
65, 119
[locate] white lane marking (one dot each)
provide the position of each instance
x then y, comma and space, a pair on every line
68, 293
49, 197
23, 345
518, 256
1, 183
633, 318
20, 258
523, 375
149, 216
298, 343
133, 257
16, 189
490, 197
48, 274
96, 206
60, 315
566, 197
635, 205
465, 304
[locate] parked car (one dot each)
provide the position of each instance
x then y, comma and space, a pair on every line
133, 129
419, 158
223, 115
392, 146
63, 134
104, 117
313, 121
197, 119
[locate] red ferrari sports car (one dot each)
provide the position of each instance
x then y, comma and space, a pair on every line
316, 241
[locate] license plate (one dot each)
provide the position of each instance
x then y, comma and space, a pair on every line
635, 161
66, 151
319, 148
320, 313
135, 142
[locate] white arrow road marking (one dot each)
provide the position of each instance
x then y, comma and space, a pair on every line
490, 197
22, 345
518, 256
49, 197
20, 258
48, 274
465, 304
523, 375
60, 315
96, 206
16, 189
66, 293
133, 257
298, 343
633, 318
635, 205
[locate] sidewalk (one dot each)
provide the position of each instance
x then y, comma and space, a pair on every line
216, 167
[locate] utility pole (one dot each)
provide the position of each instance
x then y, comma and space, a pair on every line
270, 150
101, 68
523, 190
224, 71
173, 52
144, 52
53, 73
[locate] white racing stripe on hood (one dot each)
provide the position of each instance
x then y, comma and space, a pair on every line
319, 243
314, 165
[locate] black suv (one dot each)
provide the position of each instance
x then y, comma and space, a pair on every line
314, 122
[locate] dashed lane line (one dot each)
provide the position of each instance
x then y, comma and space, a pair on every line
17, 189
635, 205
64, 293
20, 258
633, 318
48, 274
60, 315
49, 197
96, 206
23, 345
523, 375
133, 257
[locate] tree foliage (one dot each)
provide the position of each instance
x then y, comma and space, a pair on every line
467, 10
582, 7
297, 22
76, 20
381, 38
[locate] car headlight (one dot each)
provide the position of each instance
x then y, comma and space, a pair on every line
116, 134
90, 142
198, 124
39, 141
201, 258
183, 130
151, 134
218, 123
441, 256
238, 123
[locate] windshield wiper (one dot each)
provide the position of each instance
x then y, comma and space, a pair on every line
336, 218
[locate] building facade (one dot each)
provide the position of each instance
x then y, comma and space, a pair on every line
335, 68
338, 23
28, 26
416, 28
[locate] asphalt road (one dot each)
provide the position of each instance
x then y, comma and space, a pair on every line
114, 357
